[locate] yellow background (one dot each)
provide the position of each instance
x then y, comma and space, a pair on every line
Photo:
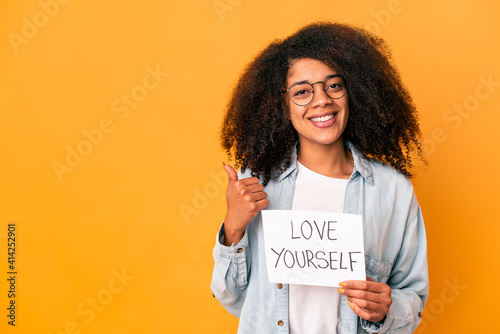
119, 211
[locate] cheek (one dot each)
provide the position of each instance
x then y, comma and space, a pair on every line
296, 114
345, 107
294, 118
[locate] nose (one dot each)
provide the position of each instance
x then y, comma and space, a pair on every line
320, 98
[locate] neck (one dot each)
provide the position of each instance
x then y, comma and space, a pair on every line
333, 160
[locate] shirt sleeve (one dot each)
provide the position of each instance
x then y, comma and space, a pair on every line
409, 282
231, 271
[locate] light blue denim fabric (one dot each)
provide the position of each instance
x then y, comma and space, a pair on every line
395, 254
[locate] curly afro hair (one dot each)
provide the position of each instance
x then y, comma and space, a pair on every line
382, 124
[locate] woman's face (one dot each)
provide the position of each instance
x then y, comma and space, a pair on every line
324, 119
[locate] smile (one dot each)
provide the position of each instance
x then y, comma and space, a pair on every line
322, 119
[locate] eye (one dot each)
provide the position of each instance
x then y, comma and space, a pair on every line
335, 86
301, 92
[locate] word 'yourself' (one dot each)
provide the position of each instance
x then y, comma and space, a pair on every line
318, 259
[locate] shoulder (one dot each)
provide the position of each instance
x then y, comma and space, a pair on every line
378, 173
393, 187
390, 194
385, 173
384, 181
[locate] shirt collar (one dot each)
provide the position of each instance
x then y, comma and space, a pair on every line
361, 163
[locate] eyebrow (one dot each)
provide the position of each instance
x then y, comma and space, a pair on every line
307, 81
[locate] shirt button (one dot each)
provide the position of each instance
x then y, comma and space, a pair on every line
239, 250
420, 314
280, 323
279, 285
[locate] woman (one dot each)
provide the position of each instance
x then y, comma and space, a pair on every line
321, 121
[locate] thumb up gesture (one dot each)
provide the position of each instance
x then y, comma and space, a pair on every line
245, 198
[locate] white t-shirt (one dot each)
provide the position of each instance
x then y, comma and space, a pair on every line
315, 309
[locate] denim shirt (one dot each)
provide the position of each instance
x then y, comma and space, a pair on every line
395, 254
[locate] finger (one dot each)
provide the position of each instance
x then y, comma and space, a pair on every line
369, 305
262, 204
255, 207
365, 285
249, 181
253, 197
365, 295
369, 279
258, 196
231, 173
365, 314
255, 188
243, 189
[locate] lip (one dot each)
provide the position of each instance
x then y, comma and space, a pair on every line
324, 124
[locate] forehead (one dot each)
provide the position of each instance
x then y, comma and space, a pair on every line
308, 69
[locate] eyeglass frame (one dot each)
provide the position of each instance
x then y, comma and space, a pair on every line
312, 86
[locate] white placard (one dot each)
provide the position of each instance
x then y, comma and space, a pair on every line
313, 248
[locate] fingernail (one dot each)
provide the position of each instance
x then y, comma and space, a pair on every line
344, 284
349, 299
350, 304
340, 290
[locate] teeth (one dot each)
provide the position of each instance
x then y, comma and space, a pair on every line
322, 119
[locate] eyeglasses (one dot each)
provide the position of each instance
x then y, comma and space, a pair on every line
302, 93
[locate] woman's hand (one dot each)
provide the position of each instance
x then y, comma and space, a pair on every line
368, 299
245, 198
